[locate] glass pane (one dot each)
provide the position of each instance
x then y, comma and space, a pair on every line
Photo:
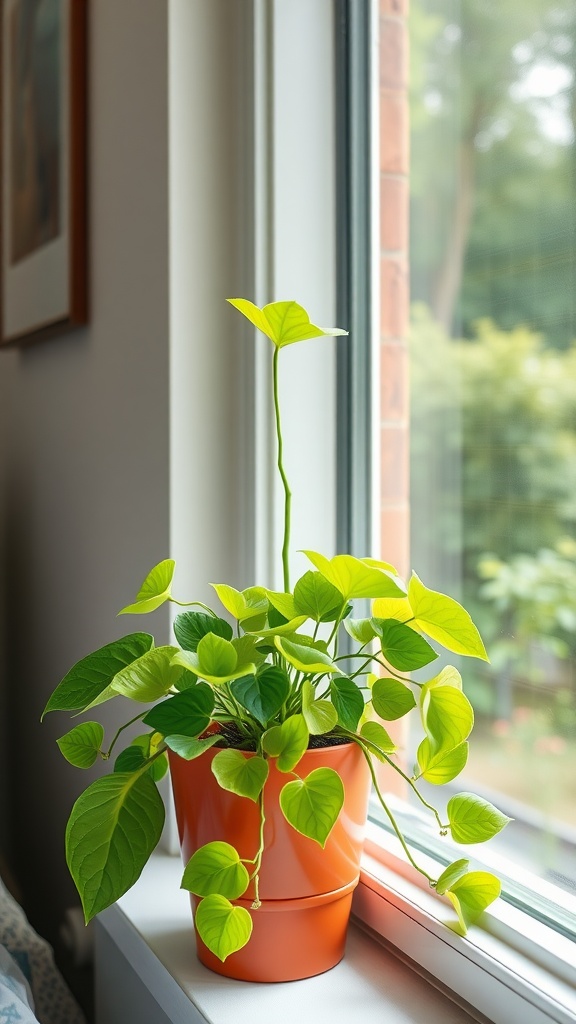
493, 387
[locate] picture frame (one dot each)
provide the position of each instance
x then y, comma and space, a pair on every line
43, 167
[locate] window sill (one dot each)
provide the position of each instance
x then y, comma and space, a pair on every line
151, 928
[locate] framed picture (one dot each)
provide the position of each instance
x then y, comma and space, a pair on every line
42, 168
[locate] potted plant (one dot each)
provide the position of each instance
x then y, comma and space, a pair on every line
272, 731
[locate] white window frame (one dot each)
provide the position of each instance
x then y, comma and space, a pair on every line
288, 198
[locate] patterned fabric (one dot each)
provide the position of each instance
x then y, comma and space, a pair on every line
54, 1003
16, 1004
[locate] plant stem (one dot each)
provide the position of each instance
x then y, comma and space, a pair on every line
189, 604
393, 820
283, 477
121, 729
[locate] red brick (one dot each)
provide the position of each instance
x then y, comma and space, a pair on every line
394, 145
395, 537
393, 298
395, 7
394, 207
394, 484
394, 396
393, 54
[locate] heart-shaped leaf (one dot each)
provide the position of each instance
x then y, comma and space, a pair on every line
249, 605
352, 577
263, 694
189, 747
154, 591
187, 714
471, 894
446, 621
320, 715
284, 604
82, 744
348, 701
315, 597
287, 742
215, 660
147, 679
474, 820
361, 630
447, 716
451, 874
402, 647
282, 629
190, 627
312, 805
392, 699
88, 678
216, 868
443, 766
283, 322
222, 927
239, 773
303, 657
126, 812
378, 740
392, 608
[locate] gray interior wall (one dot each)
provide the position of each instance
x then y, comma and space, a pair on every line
84, 421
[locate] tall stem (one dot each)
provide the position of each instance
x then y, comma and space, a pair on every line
283, 477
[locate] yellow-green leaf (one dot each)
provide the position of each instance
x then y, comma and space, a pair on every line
451, 874
320, 715
474, 820
287, 742
222, 927
446, 621
82, 744
154, 591
447, 716
240, 773
312, 805
354, 578
305, 659
471, 894
444, 765
283, 322
215, 868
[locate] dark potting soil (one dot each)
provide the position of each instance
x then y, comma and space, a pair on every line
232, 737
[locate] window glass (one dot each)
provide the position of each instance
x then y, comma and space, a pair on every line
492, 343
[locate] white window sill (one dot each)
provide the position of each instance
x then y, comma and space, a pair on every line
151, 928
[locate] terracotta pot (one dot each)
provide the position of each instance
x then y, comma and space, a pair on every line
306, 891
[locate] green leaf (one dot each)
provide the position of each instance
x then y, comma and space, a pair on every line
449, 676
474, 820
87, 679
282, 629
126, 813
216, 656
402, 647
82, 744
247, 653
250, 605
353, 578
348, 701
312, 805
444, 765
191, 661
391, 699
186, 714
134, 758
446, 621
283, 603
287, 742
361, 630
188, 747
378, 739
216, 868
320, 715
283, 322
447, 716
190, 627
315, 597
451, 874
239, 773
222, 927
154, 591
304, 658
471, 895
264, 694
146, 679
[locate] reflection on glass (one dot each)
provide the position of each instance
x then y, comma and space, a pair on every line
493, 364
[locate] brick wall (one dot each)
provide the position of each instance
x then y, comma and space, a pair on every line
394, 166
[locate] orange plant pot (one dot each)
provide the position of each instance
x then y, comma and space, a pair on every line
306, 891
